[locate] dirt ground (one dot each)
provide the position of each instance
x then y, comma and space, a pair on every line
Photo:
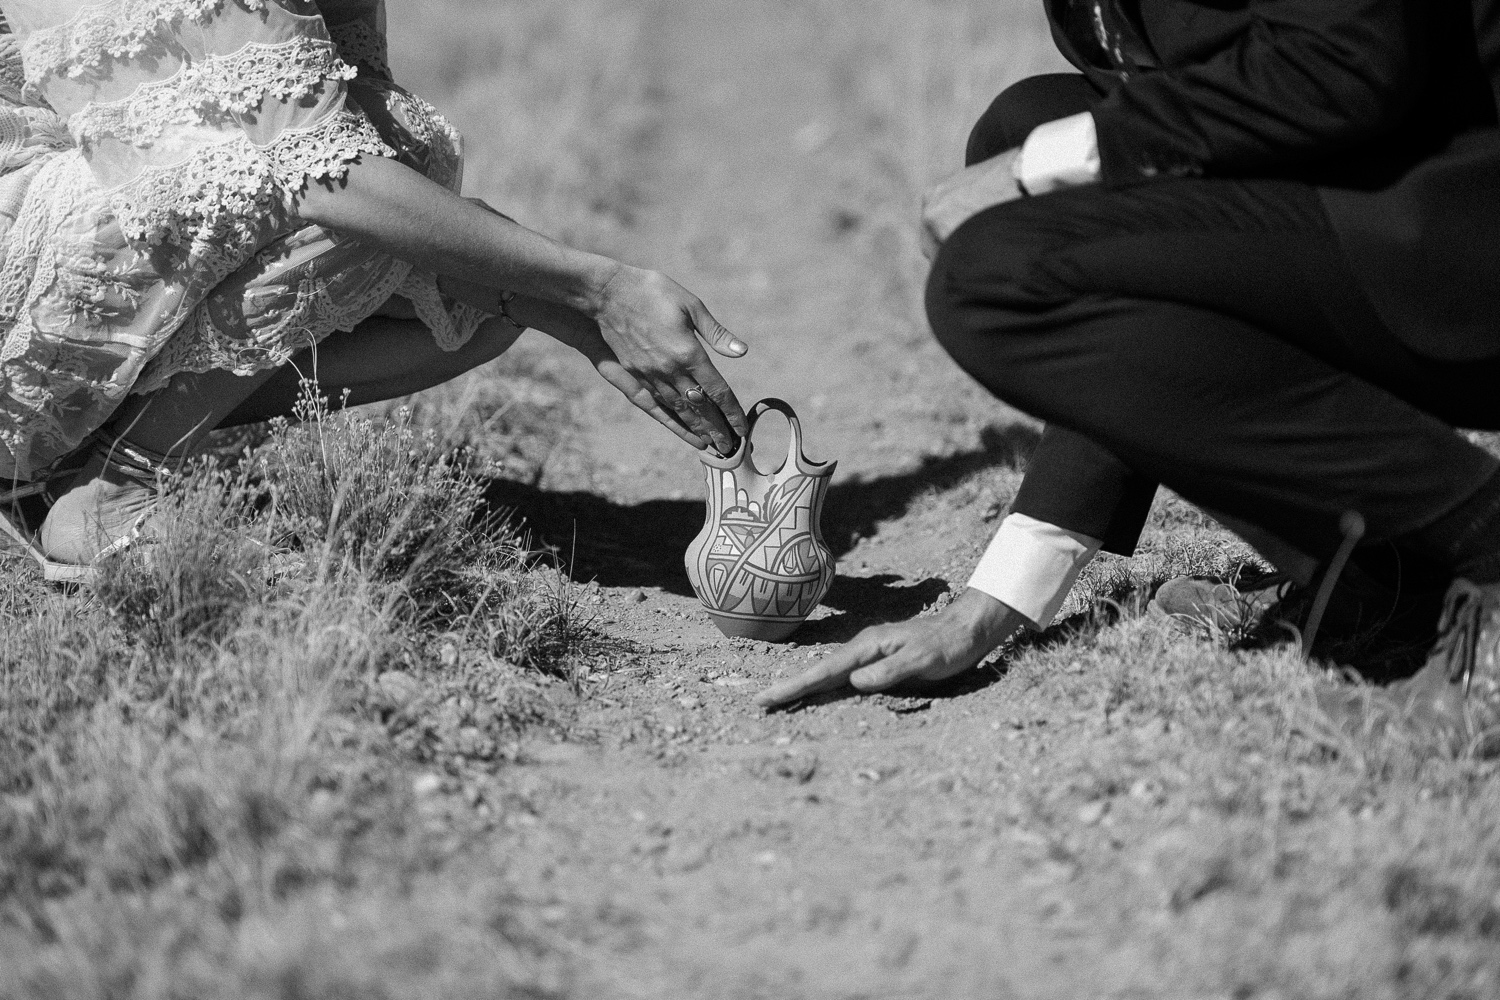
820, 851
1006, 837
696, 846
235, 771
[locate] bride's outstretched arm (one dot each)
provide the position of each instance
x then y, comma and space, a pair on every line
640, 328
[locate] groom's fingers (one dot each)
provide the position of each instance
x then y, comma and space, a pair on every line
815, 680
901, 665
830, 674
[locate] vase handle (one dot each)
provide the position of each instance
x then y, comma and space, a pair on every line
794, 454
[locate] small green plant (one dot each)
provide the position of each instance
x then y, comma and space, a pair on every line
206, 558
381, 495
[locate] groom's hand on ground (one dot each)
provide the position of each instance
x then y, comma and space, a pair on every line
950, 203
921, 649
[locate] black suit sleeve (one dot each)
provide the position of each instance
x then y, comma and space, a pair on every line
1289, 82
1079, 486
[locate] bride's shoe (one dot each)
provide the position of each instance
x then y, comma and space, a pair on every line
99, 514
24, 506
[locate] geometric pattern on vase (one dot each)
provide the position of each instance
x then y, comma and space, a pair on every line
760, 557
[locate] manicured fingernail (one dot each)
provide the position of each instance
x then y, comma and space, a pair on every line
738, 347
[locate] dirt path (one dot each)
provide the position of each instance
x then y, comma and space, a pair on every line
700, 848
760, 197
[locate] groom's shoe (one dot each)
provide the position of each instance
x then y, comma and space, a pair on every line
1222, 607
1454, 698
1381, 629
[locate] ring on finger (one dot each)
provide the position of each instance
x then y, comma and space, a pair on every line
695, 395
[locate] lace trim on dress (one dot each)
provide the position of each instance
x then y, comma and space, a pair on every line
363, 46
222, 191
12, 69
27, 133
201, 346
213, 89
26, 270
285, 71
434, 131
116, 29
452, 323
139, 119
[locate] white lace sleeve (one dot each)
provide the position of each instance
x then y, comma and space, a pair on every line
201, 118
358, 28
362, 44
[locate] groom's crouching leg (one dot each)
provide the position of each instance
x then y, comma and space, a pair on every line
1023, 106
987, 304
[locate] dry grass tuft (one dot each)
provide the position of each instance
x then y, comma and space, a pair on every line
381, 495
207, 562
223, 732
209, 771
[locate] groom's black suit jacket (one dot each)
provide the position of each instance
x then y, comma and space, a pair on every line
1388, 106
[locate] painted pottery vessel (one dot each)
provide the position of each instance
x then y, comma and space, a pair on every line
759, 565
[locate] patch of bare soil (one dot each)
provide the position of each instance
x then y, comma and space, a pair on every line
692, 845
1132, 816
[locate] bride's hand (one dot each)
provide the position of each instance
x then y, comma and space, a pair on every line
640, 328
650, 327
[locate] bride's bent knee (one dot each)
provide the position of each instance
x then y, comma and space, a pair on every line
495, 336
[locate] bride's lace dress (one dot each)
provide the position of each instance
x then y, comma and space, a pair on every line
149, 152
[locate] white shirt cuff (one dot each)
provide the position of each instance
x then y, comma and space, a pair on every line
1031, 565
1059, 154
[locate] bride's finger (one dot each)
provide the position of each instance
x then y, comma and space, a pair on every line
677, 402
721, 398
716, 334
643, 399
653, 408
698, 410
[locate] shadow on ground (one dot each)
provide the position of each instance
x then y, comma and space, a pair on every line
856, 507
641, 545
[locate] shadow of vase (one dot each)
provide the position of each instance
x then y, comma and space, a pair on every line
593, 538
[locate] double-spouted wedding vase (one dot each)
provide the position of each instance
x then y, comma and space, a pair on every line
759, 565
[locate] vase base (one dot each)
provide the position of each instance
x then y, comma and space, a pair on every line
760, 629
